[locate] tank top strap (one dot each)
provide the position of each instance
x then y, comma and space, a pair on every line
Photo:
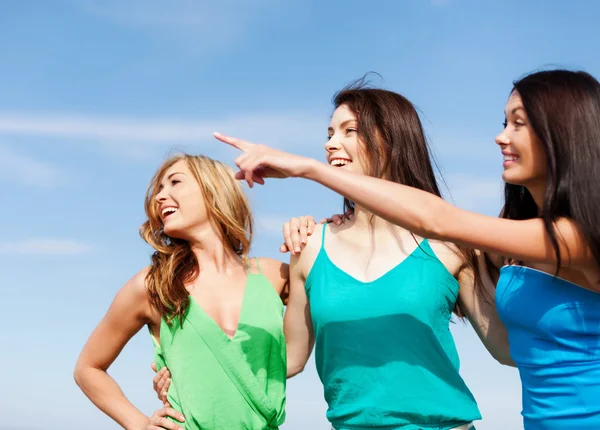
258, 265
323, 236
249, 267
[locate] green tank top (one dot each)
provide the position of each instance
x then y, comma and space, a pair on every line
384, 350
221, 383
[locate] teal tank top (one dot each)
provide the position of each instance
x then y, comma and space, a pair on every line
384, 351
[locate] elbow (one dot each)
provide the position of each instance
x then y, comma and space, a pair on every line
294, 369
504, 359
79, 375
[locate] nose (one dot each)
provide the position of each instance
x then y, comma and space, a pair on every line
332, 145
161, 196
502, 139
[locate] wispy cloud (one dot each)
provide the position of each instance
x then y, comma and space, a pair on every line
45, 246
152, 130
203, 25
19, 167
271, 224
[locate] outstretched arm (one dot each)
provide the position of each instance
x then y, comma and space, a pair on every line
420, 212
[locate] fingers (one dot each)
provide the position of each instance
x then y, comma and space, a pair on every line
337, 219
295, 235
163, 392
311, 224
303, 231
160, 419
158, 378
287, 237
153, 366
233, 141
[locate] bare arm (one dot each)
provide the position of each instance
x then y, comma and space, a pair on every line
482, 314
126, 315
297, 324
430, 216
420, 212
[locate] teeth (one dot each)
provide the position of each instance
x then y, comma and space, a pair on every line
339, 162
510, 157
168, 210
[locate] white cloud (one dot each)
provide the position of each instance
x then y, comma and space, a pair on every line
277, 128
45, 246
201, 25
271, 224
18, 167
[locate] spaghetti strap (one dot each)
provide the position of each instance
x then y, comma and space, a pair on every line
323, 235
258, 265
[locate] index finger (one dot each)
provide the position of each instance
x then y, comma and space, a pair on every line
233, 141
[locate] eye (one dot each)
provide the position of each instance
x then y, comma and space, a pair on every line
329, 138
504, 124
350, 130
175, 181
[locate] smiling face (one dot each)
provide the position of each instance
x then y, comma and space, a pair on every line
343, 148
180, 202
523, 153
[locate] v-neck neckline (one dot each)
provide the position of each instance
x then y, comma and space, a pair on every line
237, 328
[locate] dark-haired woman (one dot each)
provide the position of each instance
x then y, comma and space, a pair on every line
547, 242
376, 299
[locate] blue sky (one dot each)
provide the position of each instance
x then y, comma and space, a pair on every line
94, 95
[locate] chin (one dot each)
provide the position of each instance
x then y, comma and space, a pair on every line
173, 232
512, 179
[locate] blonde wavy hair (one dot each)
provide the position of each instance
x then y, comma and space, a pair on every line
173, 263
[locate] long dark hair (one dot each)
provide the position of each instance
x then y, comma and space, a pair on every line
395, 146
563, 108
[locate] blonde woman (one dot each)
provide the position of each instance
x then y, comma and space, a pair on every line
215, 316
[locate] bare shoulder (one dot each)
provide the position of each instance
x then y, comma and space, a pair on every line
277, 272
134, 295
450, 256
136, 286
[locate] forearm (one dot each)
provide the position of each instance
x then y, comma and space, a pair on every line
410, 208
105, 393
296, 359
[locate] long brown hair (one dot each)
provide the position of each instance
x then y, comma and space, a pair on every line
395, 147
174, 265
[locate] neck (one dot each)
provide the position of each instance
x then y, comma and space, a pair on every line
364, 219
210, 251
537, 191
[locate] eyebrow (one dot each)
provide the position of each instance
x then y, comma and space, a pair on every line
344, 123
169, 177
514, 111
173, 174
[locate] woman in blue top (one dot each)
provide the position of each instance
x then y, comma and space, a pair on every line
377, 299
547, 241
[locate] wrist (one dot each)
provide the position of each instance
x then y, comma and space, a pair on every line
311, 170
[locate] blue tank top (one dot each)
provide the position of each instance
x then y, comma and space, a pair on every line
554, 333
384, 350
